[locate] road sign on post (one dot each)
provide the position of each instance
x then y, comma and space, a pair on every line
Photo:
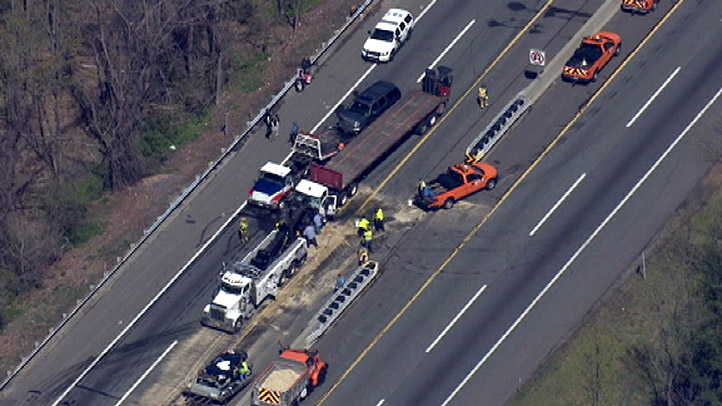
537, 60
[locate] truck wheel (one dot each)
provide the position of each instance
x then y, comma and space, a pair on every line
237, 325
432, 120
352, 190
422, 128
304, 393
595, 77
449, 203
619, 49
342, 200
491, 184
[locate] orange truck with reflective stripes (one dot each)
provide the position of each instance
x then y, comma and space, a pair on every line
639, 6
592, 55
289, 379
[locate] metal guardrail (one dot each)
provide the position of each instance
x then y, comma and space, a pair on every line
483, 143
183, 196
341, 300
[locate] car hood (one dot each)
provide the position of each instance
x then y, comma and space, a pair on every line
348, 117
225, 299
375, 45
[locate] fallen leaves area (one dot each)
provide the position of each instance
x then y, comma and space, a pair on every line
126, 213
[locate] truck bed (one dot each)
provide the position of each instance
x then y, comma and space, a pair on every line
378, 138
282, 375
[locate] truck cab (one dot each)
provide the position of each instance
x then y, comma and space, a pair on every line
317, 196
273, 185
231, 303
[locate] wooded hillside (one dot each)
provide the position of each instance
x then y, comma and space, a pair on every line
94, 94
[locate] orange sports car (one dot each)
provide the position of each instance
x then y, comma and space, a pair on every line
592, 55
639, 6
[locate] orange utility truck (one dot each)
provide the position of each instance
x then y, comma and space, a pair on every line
593, 54
289, 379
458, 182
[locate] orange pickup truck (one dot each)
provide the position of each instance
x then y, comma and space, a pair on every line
459, 181
592, 55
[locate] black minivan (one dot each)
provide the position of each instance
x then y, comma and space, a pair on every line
367, 107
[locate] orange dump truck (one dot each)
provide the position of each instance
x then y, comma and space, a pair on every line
289, 379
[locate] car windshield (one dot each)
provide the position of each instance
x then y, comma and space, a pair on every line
586, 55
233, 290
382, 35
360, 108
271, 177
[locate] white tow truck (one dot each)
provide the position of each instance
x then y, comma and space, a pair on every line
254, 278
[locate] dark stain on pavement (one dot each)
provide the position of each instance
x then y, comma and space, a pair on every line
203, 238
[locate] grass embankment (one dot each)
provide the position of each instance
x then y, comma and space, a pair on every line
650, 342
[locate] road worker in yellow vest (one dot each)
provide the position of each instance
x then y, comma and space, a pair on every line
379, 219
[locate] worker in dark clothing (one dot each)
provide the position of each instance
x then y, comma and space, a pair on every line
379, 219
367, 239
294, 133
363, 225
318, 222
340, 282
310, 233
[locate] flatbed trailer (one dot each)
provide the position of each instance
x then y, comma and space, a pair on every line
417, 111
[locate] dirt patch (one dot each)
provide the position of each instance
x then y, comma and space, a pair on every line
127, 213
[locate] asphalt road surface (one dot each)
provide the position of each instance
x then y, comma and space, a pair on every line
501, 257
584, 246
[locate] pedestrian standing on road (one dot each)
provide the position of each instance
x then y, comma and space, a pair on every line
268, 120
294, 133
310, 235
243, 230
340, 282
363, 255
379, 219
483, 97
367, 239
318, 222
275, 122
363, 225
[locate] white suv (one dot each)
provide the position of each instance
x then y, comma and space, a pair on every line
388, 36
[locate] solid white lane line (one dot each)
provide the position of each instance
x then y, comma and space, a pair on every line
426, 9
381, 402
557, 204
155, 363
333, 109
456, 318
654, 96
145, 309
583, 246
448, 48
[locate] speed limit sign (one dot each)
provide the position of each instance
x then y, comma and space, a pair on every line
537, 57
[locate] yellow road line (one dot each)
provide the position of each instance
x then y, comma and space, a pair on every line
467, 238
504, 197
493, 64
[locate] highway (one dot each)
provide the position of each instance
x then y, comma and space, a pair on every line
499, 257
618, 205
